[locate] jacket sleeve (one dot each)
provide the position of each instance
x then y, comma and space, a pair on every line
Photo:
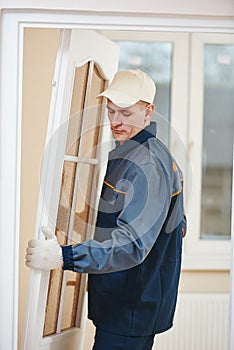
139, 223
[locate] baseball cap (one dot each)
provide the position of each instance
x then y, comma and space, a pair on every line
130, 86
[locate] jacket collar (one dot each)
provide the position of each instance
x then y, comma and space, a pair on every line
148, 132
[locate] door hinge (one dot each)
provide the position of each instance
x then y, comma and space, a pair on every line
53, 82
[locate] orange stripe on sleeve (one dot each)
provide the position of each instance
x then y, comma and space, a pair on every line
113, 188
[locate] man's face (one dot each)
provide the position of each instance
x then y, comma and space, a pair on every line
129, 121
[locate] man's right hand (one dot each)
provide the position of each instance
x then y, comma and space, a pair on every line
44, 254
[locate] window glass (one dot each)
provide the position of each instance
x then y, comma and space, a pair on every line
218, 133
154, 58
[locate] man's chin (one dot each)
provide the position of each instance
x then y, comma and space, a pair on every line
120, 137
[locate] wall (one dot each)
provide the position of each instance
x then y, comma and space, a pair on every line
199, 7
205, 281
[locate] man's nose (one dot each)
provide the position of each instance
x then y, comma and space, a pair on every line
116, 119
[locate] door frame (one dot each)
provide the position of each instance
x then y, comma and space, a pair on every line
13, 23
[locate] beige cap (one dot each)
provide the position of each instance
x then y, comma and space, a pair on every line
130, 86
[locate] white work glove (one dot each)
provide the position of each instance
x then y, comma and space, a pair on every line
44, 254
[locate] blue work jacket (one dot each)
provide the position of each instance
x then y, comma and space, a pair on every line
134, 260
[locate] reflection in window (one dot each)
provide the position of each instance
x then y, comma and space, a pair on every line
218, 132
154, 58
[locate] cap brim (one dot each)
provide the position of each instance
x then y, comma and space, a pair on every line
118, 98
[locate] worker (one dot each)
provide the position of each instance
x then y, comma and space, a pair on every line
134, 260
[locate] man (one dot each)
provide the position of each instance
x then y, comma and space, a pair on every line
134, 260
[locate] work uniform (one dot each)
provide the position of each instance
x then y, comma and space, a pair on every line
134, 259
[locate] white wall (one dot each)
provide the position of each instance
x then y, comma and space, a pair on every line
184, 7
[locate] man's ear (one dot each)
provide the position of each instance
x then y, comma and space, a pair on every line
149, 110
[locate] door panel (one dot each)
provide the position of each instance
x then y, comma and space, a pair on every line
73, 181
77, 105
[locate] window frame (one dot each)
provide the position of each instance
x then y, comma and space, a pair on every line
185, 145
200, 253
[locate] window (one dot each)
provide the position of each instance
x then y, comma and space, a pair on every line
218, 133
211, 130
154, 58
194, 77
164, 56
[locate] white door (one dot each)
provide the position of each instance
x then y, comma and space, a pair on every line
70, 183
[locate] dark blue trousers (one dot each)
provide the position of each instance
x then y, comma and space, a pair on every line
110, 341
